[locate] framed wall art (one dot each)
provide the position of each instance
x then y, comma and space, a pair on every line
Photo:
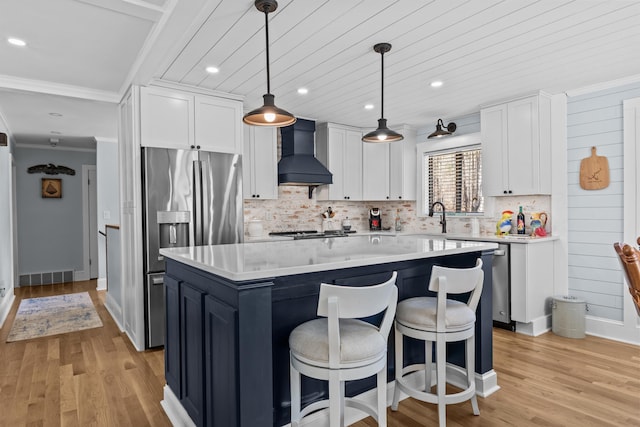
51, 188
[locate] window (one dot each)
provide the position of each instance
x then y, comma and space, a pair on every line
451, 173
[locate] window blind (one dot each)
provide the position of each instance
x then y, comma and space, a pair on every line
455, 179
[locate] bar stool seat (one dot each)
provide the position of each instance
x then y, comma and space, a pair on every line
440, 320
340, 347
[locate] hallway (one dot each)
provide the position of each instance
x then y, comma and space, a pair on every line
90, 377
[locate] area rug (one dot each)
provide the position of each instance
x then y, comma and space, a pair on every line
40, 317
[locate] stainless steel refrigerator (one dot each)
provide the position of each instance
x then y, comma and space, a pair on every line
191, 198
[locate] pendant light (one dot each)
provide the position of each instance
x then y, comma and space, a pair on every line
383, 133
439, 132
268, 114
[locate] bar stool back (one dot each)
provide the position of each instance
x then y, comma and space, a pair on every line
440, 320
340, 347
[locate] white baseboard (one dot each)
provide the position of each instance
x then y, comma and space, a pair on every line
102, 284
536, 327
486, 384
115, 311
174, 410
5, 307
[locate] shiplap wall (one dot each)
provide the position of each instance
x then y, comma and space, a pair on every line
596, 217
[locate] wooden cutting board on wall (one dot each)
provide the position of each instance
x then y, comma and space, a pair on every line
594, 172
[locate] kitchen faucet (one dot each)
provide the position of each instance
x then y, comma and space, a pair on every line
443, 220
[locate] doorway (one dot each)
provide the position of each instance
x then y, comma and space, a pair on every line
90, 221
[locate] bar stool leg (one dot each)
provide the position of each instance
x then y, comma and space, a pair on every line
295, 396
428, 359
399, 362
382, 396
336, 400
470, 346
441, 384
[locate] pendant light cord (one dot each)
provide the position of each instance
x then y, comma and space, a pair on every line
266, 25
382, 86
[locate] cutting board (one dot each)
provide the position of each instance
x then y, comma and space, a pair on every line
594, 172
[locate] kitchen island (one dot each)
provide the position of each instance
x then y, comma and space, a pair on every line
230, 309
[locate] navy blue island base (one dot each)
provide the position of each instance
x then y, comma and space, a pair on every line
226, 351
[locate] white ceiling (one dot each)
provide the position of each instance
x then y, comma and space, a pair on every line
83, 54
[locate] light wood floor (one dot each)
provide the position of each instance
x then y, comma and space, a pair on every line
87, 378
96, 377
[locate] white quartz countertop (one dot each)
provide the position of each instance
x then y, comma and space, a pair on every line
265, 259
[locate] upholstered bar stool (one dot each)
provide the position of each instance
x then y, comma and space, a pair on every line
440, 320
340, 347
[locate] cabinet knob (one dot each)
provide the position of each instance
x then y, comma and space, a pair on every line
257, 195
399, 197
510, 192
504, 192
198, 147
193, 146
388, 197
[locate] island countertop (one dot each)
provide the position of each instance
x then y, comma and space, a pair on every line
258, 260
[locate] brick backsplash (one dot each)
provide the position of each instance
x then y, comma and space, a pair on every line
295, 211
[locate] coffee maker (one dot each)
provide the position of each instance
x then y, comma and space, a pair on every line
375, 219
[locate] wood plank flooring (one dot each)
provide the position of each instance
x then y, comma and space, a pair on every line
546, 381
93, 377
96, 377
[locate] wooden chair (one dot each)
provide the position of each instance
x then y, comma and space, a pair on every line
630, 261
340, 347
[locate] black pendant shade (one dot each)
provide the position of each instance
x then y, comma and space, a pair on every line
383, 133
439, 132
268, 114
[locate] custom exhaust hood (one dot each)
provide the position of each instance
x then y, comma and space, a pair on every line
298, 165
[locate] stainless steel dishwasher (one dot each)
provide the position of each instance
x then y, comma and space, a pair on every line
501, 288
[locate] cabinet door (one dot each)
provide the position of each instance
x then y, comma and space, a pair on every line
336, 162
218, 124
260, 165
172, 336
166, 118
402, 168
495, 149
375, 171
352, 165
523, 161
192, 375
532, 285
221, 362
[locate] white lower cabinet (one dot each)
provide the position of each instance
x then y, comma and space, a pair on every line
259, 164
531, 281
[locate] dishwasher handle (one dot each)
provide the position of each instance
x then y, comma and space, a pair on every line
499, 252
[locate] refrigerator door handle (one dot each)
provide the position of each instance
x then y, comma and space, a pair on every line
205, 198
197, 202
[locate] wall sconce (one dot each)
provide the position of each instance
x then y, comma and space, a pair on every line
439, 132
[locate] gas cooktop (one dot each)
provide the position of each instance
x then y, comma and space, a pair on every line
309, 234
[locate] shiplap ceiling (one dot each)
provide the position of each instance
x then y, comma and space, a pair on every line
483, 51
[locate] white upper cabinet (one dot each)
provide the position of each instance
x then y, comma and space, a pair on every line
339, 149
259, 165
516, 147
389, 169
218, 125
166, 118
375, 175
174, 119
402, 167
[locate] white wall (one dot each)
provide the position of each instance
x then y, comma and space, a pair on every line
50, 231
108, 197
596, 217
6, 229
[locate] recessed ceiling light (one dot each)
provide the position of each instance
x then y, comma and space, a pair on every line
55, 114
303, 91
436, 83
369, 107
55, 132
16, 42
212, 70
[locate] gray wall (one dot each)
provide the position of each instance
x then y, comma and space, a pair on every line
596, 216
108, 194
50, 230
6, 244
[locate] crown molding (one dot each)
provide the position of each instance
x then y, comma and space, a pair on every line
56, 148
603, 86
41, 86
